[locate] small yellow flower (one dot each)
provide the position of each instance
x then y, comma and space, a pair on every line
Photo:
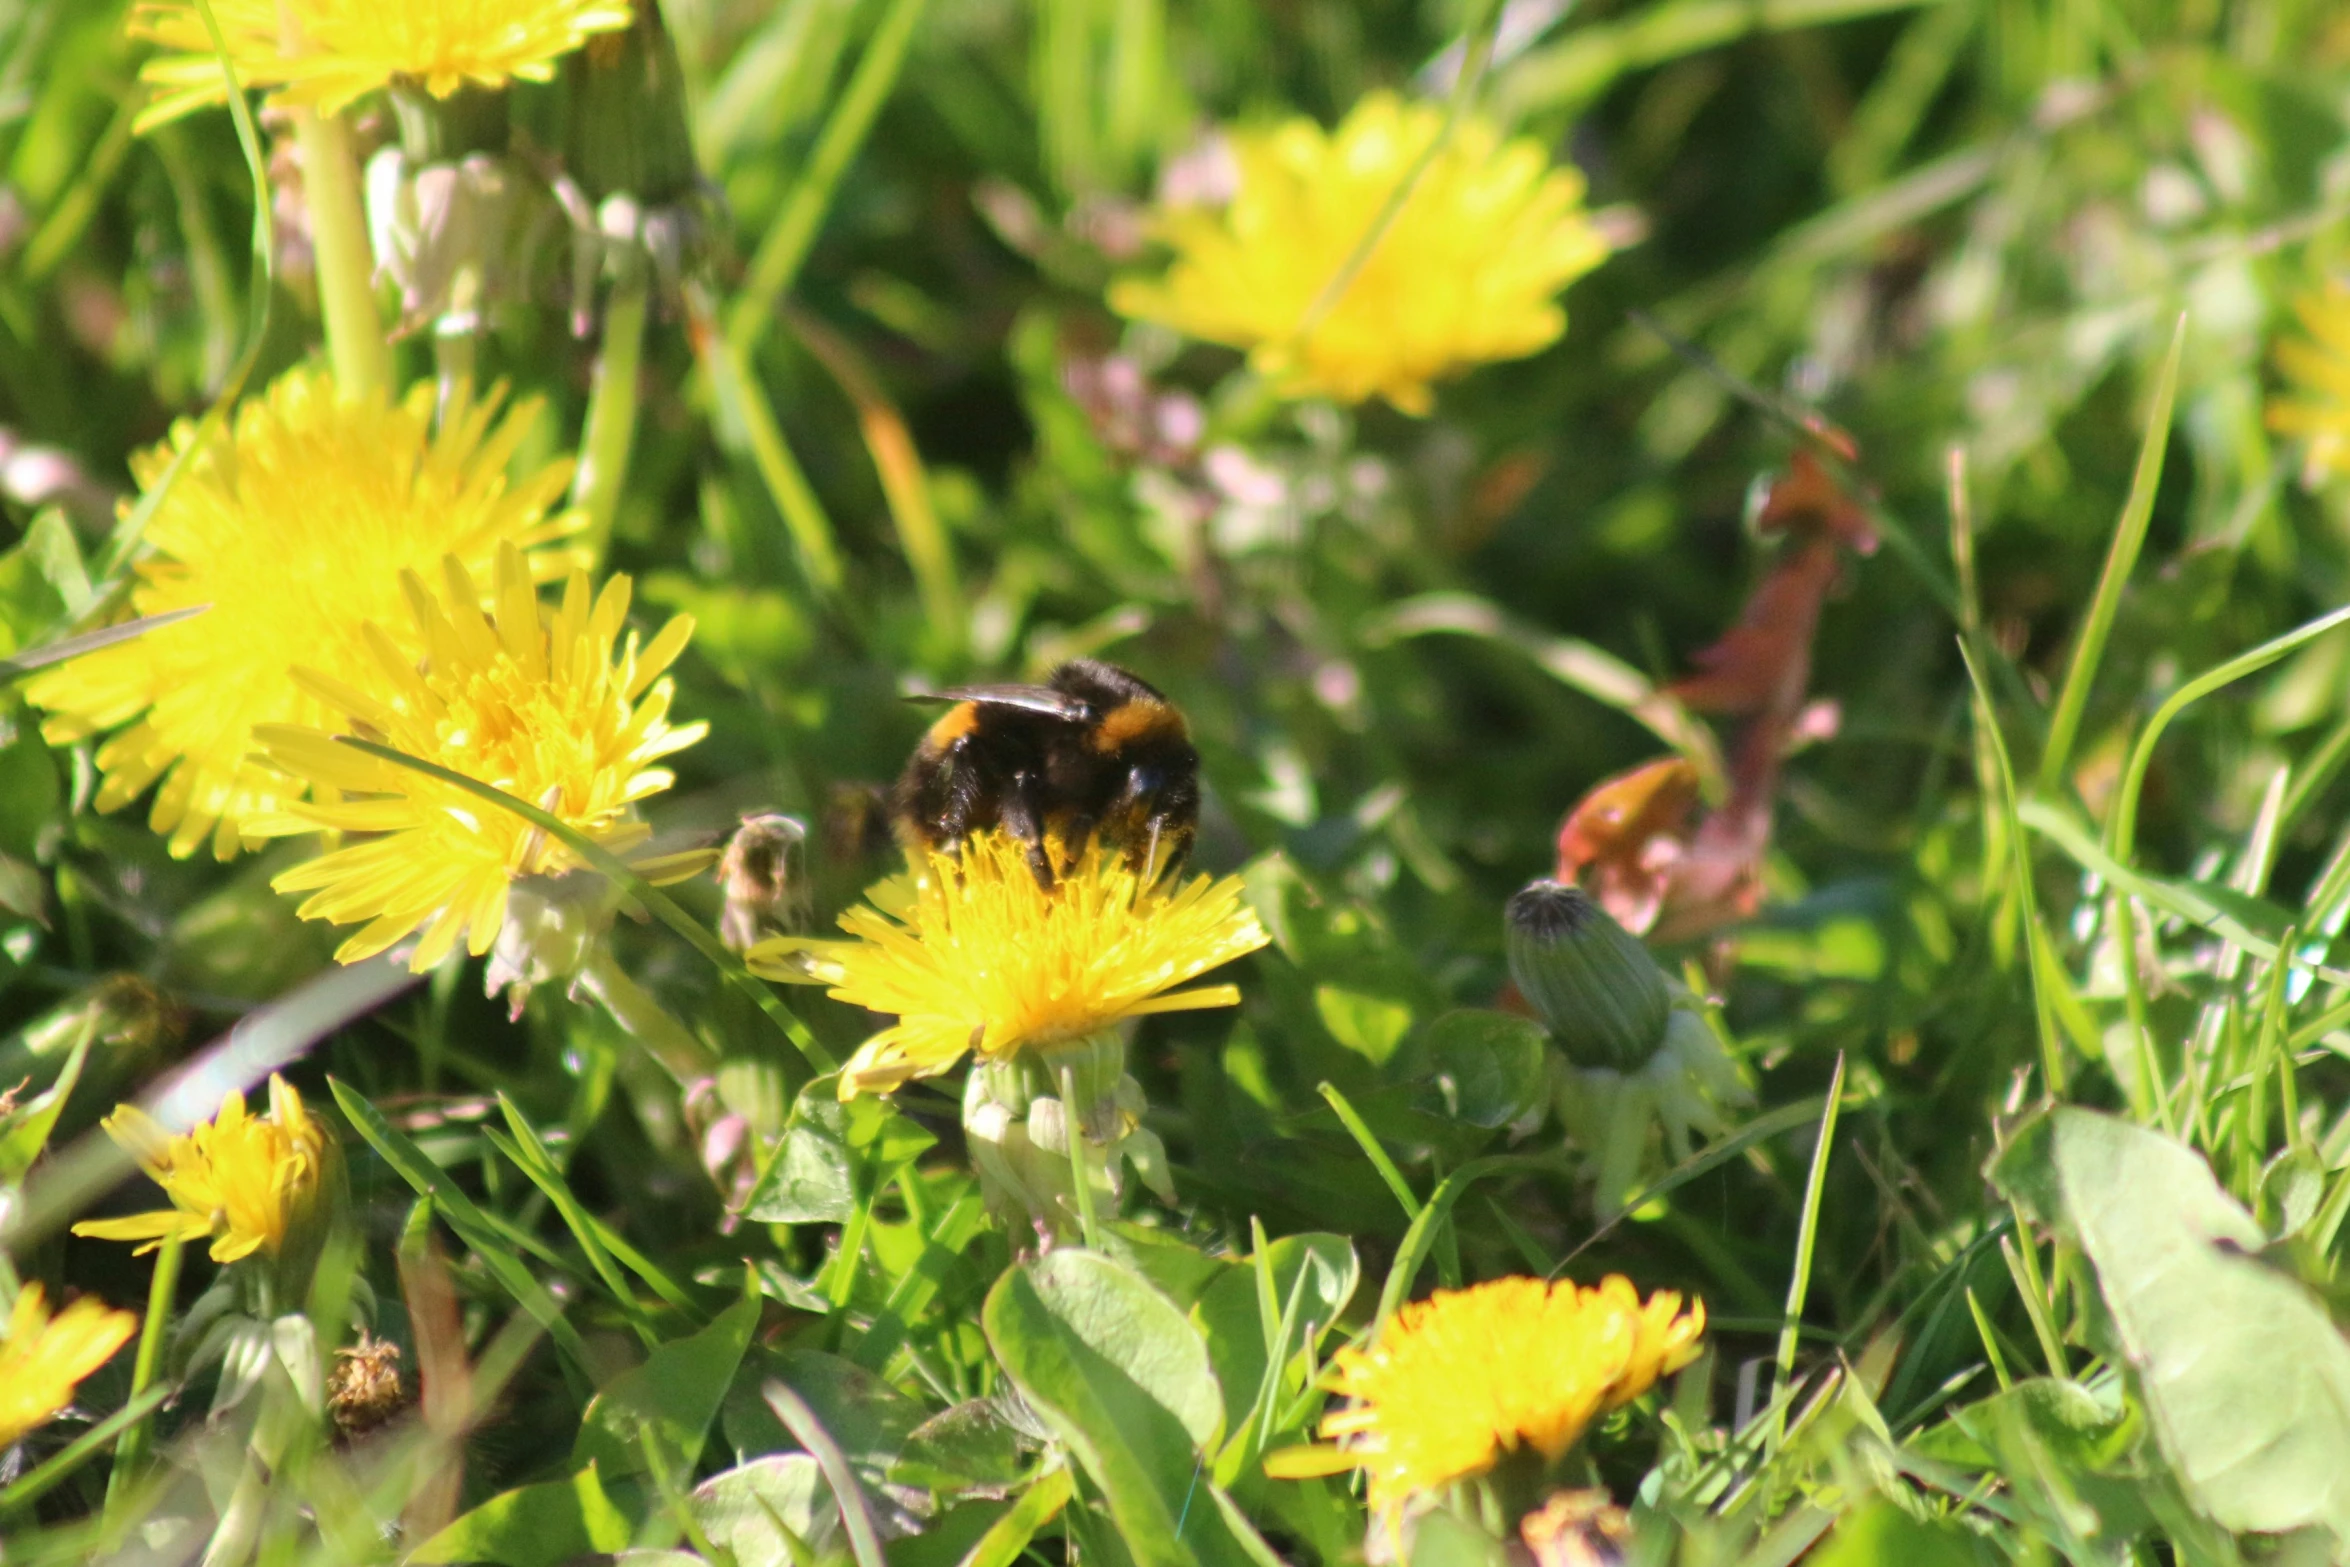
243, 1180
325, 53
1454, 1382
2319, 369
293, 525
535, 702
1468, 271
43, 1357
973, 955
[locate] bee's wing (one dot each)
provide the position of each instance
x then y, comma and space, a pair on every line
1034, 699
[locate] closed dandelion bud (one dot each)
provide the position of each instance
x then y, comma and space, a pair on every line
1593, 983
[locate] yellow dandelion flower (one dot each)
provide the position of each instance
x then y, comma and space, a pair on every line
538, 703
294, 525
325, 53
1454, 1382
972, 955
2318, 367
1468, 272
43, 1357
243, 1180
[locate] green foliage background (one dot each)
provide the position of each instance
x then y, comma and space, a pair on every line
1968, 226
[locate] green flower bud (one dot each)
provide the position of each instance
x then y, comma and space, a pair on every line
1590, 979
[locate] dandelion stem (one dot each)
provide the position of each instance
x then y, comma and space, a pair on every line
346, 269
642, 1017
1087, 1225
611, 416
131, 1446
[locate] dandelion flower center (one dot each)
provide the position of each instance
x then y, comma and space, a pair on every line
243, 1180
325, 53
971, 954
1468, 271
553, 708
1456, 1381
293, 525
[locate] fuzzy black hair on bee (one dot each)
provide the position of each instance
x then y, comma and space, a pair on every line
1094, 751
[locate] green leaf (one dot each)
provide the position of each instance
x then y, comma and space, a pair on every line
675, 1394
1442, 1538
1490, 1067
1368, 1025
871, 1420
1880, 1532
1122, 1378
535, 1526
1319, 1271
2245, 1377
2066, 1416
24, 1131
748, 1508
963, 1448
1009, 1535
811, 1178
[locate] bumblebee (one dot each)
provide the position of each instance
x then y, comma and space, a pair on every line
1093, 750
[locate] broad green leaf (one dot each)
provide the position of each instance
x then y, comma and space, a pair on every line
1489, 1067
870, 1419
1442, 1538
1878, 1532
1009, 1535
962, 1448
535, 1526
2245, 1377
1123, 1379
811, 1178
674, 1393
1370, 1026
748, 1508
2069, 1418
1180, 1269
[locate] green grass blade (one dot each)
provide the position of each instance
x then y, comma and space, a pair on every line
2122, 833
785, 245
1807, 1238
1364, 1138
2121, 558
59, 651
472, 1225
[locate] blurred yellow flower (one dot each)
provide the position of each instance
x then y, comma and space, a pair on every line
973, 955
293, 524
243, 1180
1454, 1382
325, 53
549, 706
42, 1357
2318, 369
1468, 271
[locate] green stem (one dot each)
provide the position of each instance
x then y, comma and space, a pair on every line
643, 1018
1079, 1172
355, 342
611, 417
131, 1447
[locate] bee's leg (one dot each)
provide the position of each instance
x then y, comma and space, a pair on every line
1075, 832
1024, 822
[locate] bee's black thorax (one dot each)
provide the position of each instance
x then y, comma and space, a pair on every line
1093, 751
